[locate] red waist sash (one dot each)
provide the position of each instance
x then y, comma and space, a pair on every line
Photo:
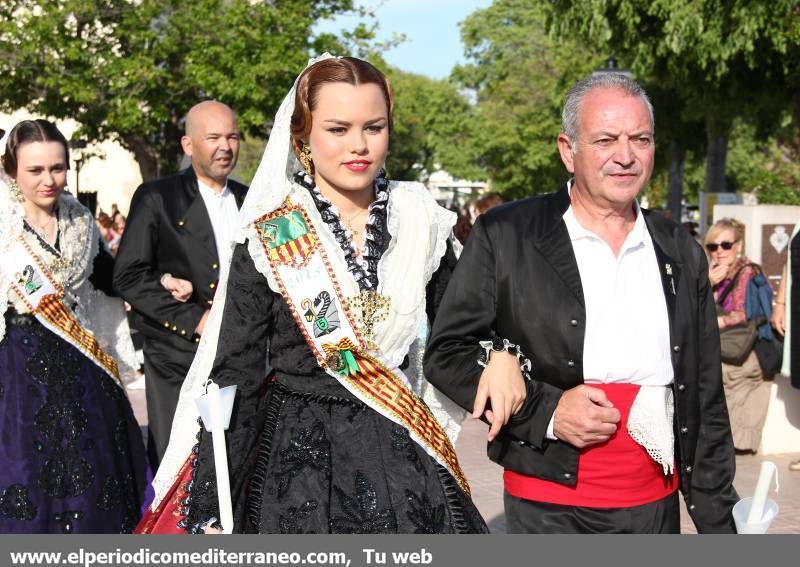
616, 474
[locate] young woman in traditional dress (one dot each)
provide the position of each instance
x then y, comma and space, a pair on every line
336, 275
72, 455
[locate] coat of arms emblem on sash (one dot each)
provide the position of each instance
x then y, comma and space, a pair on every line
287, 237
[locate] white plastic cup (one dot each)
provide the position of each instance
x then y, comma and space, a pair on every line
216, 406
742, 509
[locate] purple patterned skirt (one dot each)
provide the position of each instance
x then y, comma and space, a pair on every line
72, 458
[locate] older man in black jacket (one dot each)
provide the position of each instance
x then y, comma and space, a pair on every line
177, 237
623, 402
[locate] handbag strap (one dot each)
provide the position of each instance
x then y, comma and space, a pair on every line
727, 291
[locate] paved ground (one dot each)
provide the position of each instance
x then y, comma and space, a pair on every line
486, 480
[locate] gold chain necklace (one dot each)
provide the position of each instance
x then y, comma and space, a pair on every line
348, 222
40, 229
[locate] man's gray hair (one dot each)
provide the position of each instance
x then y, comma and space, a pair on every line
575, 96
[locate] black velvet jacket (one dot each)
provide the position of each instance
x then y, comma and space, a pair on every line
169, 231
518, 279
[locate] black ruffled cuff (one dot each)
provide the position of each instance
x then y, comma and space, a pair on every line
499, 345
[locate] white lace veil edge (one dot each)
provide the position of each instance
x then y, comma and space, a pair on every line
102, 315
11, 215
266, 193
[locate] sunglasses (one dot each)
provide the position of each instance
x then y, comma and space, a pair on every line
725, 245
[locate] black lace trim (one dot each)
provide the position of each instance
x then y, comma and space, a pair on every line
55, 248
377, 233
285, 392
198, 507
453, 498
258, 478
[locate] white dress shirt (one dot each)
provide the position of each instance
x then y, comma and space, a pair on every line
627, 326
224, 214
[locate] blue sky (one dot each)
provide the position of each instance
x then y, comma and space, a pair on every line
433, 41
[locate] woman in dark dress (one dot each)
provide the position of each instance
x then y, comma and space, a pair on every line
334, 279
72, 455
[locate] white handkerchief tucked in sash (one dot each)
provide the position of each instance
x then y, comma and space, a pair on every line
650, 424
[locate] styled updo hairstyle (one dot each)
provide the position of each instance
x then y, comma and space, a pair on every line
26, 132
734, 225
348, 70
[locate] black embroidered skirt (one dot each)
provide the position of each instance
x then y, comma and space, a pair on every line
330, 464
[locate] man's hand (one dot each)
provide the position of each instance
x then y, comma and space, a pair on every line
584, 416
202, 324
503, 388
180, 289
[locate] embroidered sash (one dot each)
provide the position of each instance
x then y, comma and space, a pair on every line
43, 296
338, 330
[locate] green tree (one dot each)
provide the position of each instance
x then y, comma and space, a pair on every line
769, 168
129, 70
519, 75
432, 127
720, 60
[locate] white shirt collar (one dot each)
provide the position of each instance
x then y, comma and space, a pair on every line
637, 236
209, 192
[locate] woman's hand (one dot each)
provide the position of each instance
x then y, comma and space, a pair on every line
212, 531
180, 289
779, 317
503, 388
717, 273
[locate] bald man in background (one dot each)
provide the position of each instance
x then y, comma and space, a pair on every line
177, 236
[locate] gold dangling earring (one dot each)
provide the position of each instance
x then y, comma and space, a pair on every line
13, 188
305, 159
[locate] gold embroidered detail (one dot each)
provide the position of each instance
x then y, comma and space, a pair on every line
58, 316
380, 387
369, 308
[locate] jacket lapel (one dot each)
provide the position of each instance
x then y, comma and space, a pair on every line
239, 192
196, 223
556, 246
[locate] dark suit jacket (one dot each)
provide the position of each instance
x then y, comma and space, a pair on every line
518, 279
169, 231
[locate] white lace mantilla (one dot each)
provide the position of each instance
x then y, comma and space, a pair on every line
650, 424
79, 242
414, 219
268, 191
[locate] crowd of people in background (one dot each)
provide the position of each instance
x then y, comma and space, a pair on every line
469, 213
317, 435
111, 227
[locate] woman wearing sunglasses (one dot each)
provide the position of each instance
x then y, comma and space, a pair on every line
746, 391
